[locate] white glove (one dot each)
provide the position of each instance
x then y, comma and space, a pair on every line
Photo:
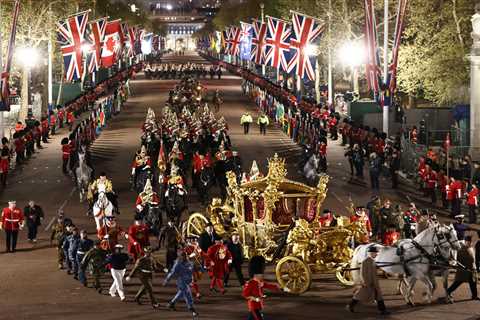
285, 289
229, 261
257, 299
181, 192
133, 171
127, 279
139, 207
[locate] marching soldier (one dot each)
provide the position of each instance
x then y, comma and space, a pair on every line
169, 239
58, 233
142, 162
194, 253
4, 161
137, 237
220, 258
144, 268
11, 221
95, 259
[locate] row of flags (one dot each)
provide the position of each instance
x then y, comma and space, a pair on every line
278, 43
103, 43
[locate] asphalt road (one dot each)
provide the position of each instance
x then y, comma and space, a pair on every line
31, 287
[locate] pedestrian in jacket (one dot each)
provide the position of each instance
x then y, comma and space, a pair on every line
84, 245
245, 121
263, 122
374, 169
71, 244
34, 217
369, 288
465, 258
182, 270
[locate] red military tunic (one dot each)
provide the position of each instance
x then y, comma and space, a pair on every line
66, 149
365, 221
12, 219
472, 197
70, 117
220, 256
390, 238
19, 145
254, 288
4, 159
140, 201
199, 164
109, 236
137, 239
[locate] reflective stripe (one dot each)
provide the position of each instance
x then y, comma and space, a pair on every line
80, 252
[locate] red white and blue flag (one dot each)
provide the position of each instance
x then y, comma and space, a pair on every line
373, 71
258, 41
306, 31
399, 24
235, 33
226, 41
132, 34
96, 37
277, 43
71, 36
5, 92
137, 48
245, 41
112, 43
124, 37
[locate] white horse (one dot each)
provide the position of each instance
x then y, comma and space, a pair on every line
84, 174
412, 258
102, 209
310, 170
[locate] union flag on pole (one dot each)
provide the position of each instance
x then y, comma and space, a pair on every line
245, 41
373, 72
258, 41
277, 43
112, 43
96, 37
71, 36
5, 92
392, 68
306, 30
235, 33
132, 34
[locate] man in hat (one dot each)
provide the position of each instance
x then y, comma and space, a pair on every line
253, 291
369, 287
219, 258
147, 198
138, 237
66, 152
245, 121
11, 221
235, 248
95, 259
169, 239
118, 263
144, 268
182, 270
102, 184
194, 253
207, 237
472, 202
142, 162
466, 273
34, 216
110, 233
460, 226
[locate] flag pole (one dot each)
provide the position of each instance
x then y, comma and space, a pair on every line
262, 6
385, 67
330, 73
2, 128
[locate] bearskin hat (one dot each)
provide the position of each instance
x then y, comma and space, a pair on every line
256, 266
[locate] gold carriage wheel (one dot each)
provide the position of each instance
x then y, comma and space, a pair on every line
294, 274
196, 224
344, 275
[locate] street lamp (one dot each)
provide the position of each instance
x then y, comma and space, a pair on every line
169, 7
352, 54
28, 57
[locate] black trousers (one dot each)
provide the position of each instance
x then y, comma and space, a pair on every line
433, 195
11, 240
146, 281
171, 256
238, 271
472, 213
65, 165
263, 128
32, 231
246, 127
394, 175
471, 283
255, 315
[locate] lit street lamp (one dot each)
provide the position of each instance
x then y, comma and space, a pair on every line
28, 57
352, 54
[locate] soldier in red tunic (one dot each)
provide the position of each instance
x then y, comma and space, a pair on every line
4, 161
219, 258
472, 202
361, 217
391, 236
253, 289
137, 238
12, 222
194, 253
109, 234
66, 150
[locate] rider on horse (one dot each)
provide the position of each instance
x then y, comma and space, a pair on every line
142, 162
102, 184
147, 197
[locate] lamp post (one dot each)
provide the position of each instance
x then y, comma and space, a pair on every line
352, 55
29, 57
262, 7
385, 67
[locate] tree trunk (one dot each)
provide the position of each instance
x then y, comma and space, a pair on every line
60, 88
457, 23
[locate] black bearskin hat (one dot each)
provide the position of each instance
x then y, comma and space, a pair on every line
256, 266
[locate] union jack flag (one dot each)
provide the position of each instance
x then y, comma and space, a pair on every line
138, 41
96, 37
71, 36
305, 31
258, 41
235, 33
373, 72
392, 68
245, 41
162, 43
132, 34
123, 36
277, 43
5, 92
226, 40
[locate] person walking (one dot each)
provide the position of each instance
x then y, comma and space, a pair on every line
118, 262
369, 287
84, 246
169, 239
183, 271
34, 217
236, 250
12, 222
472, 202
95, 259
263, 122
465, 258
144, 269
245, 121
59, 231
71, 246
374, 169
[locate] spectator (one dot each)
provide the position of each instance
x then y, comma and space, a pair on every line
466, 258
374, 169
34, 217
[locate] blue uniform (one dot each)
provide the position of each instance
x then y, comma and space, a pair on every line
183, 272
84, 245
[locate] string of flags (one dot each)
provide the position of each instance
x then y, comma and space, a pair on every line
101, 43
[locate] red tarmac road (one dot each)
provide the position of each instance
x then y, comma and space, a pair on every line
31, 287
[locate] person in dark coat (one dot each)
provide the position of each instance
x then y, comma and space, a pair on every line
169, 239
207, 238
236, 250
34, 216
466, 258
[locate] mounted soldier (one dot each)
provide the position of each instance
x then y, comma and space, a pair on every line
141, 169
203, 175
147, 206
175, 195
102, 184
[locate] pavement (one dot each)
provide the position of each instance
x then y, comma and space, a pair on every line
31, 287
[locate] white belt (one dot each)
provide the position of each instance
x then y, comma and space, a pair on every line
12, 220
80, 252
146, 271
